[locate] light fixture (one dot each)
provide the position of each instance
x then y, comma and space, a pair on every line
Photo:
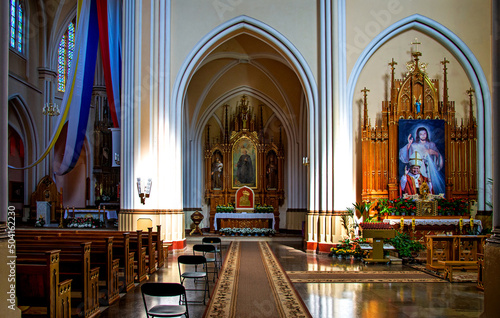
147, 190
51, 109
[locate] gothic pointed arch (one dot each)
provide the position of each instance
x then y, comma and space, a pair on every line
471, 66
201, 54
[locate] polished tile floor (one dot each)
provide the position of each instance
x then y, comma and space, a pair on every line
375, 300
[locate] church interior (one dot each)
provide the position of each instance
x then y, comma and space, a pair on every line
338, 155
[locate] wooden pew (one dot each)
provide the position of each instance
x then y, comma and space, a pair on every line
38, 286
121, 248
101, 256
151, 247
453, 248
74, 264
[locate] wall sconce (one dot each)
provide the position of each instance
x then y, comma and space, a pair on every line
117, 159
147, 190
305, 161
51, 109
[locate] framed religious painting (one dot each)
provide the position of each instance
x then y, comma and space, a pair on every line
244, 164
16, 191
421, 155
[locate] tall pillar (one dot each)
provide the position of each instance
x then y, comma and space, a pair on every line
49, 77
491, 276
7, 287
151, 126
334, 185
4, 109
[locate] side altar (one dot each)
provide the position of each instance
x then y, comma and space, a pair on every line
244, 168
417, 159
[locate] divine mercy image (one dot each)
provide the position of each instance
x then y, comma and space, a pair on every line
421, 156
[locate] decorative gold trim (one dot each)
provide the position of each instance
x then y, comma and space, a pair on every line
223, 300
288, 302
152, 211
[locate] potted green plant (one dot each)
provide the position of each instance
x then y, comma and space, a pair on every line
406, 247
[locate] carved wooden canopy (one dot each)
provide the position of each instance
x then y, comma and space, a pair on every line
416, 98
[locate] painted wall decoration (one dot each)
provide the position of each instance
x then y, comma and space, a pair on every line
244, 164
421, 155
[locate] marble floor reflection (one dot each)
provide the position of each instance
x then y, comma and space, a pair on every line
384, 300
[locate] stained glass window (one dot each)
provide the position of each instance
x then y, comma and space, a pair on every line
17, 25
65, 55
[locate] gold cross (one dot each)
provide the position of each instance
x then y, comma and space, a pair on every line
470, 92
415, 158
393, 63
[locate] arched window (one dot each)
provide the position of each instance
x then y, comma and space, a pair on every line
17, 16
65, 55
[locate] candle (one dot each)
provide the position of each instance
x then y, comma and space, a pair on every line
471, 223
461, 223
413, 224
402, 224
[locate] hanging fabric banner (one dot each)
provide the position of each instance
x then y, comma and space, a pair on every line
91, 16
110, 26
81, 84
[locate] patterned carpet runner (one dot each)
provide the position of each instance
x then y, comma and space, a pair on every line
363, 277
252, 283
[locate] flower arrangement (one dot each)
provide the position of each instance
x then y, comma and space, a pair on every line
348, 247
453, 207
264, 208
247, 231
399, 206
228, 208
85, 222
40, 222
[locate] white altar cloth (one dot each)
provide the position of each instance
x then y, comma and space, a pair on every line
43, 210
110, 214
435, 221
243, 215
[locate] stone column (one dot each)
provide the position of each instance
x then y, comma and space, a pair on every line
151, 124
4, 109
8, 303
491, 276
332, 190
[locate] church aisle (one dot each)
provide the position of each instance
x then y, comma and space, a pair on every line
338, 299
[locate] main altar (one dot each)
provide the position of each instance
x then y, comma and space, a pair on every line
243, 171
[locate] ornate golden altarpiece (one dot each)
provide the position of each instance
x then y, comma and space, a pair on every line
243, 136
380, 143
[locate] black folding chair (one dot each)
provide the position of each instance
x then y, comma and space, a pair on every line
210, 254
151, 291
218, 246
191, 271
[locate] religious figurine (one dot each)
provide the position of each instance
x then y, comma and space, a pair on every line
217, 174
418, 103
272, 174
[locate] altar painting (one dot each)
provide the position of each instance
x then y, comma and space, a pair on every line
244, 164
422, 142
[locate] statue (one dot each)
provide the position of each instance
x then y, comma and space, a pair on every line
272, 174
217, 174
